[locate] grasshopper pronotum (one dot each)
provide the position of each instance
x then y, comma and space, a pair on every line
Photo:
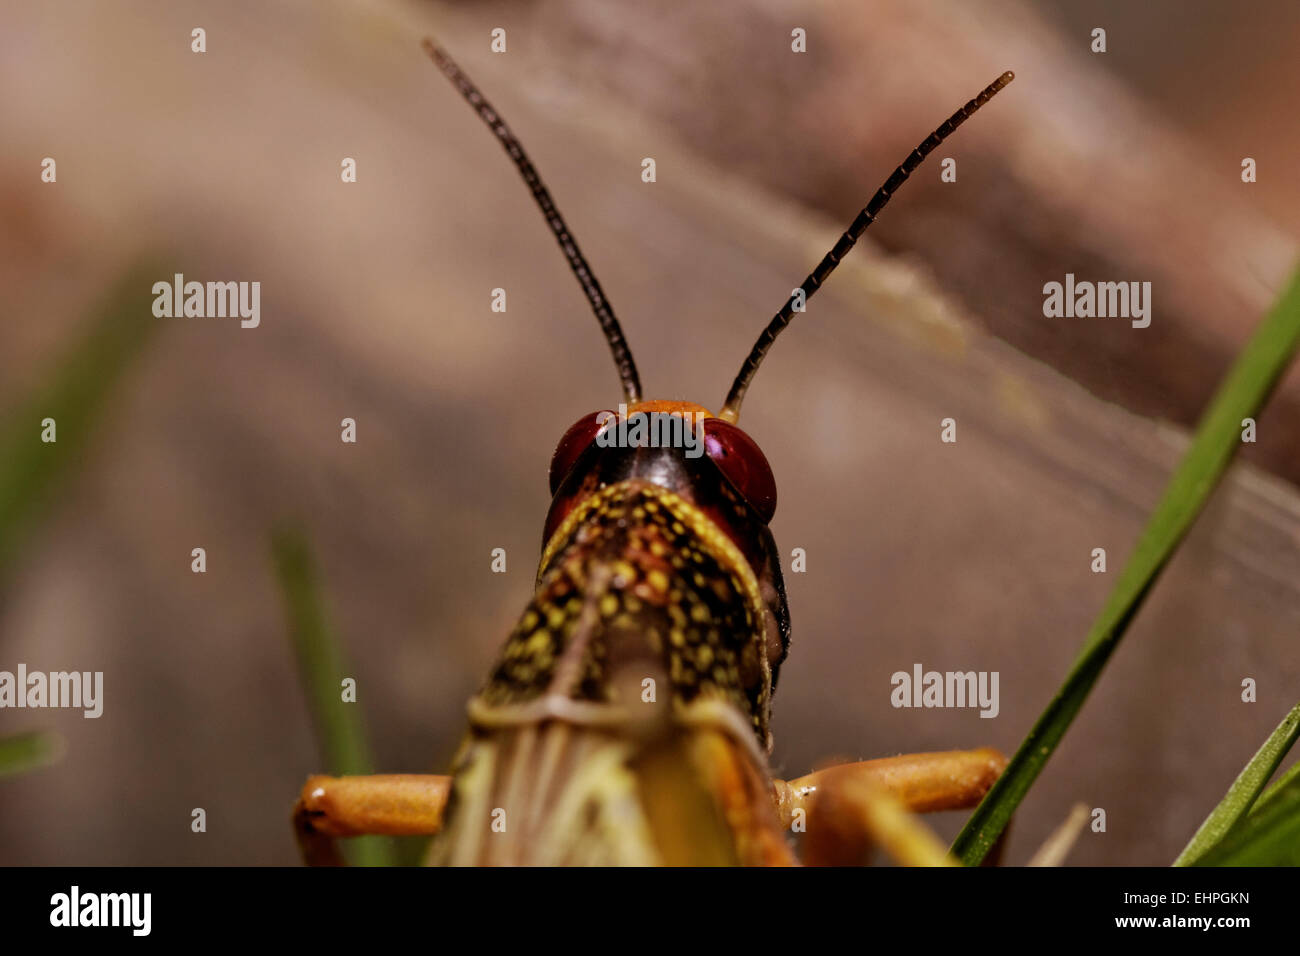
627, 719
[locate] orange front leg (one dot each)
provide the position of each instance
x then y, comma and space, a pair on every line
378, 805
850, 807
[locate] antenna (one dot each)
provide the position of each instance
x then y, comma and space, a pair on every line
577, 262
731, 409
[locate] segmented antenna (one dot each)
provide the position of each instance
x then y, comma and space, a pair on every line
577, 262
731, 410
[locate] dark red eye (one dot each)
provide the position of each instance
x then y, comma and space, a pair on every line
574, 443
743, 463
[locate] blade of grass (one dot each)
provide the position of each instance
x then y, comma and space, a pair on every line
22, 753
323, 667
1241, 394
1269, 836
78, 389
1244, 790
1274, 791
1061, 841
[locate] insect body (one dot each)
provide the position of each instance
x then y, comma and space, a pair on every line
627, 719
659, 616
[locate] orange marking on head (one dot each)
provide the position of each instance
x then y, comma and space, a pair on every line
668, 407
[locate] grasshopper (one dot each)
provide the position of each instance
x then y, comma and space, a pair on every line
628, 718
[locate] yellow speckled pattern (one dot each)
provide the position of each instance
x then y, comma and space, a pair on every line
567, 761
636, 577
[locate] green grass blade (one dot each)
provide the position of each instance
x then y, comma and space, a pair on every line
1269, 836
1245, 789
323, 667
22, 753
78, 388
1218, 436
1273, 792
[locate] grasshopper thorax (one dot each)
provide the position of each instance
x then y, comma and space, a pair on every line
711, 470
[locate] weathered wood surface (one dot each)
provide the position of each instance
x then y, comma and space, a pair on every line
1067, 172
375, 306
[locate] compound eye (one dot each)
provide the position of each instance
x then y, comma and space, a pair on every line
575, 441
743, 463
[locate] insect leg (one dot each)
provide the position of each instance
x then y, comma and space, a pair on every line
850, 807
927, 782
382, 804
